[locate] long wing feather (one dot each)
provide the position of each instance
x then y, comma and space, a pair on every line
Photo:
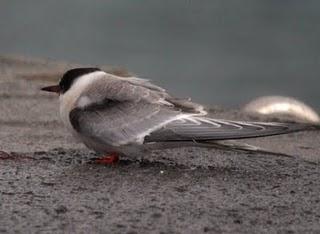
197, 128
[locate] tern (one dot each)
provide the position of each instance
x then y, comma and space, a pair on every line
115, 116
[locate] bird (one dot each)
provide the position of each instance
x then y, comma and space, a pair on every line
114, 116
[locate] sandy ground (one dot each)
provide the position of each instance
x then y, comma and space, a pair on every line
49, 185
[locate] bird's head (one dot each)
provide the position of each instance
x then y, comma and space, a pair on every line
69, 78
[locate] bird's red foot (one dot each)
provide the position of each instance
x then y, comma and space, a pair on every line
112, 158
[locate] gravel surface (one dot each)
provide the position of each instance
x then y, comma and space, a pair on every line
48, 183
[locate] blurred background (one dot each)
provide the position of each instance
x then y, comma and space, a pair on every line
217, 52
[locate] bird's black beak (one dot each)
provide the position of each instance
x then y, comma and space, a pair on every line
54, 89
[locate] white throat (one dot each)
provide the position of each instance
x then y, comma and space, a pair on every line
69, 99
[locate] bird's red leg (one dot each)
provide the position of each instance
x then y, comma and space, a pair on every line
111, 158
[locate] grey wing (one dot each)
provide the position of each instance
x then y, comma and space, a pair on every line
120, 123
125, 111
197, 128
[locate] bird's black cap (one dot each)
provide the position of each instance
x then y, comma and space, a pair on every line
70, 76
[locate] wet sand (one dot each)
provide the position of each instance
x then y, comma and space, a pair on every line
48, 183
